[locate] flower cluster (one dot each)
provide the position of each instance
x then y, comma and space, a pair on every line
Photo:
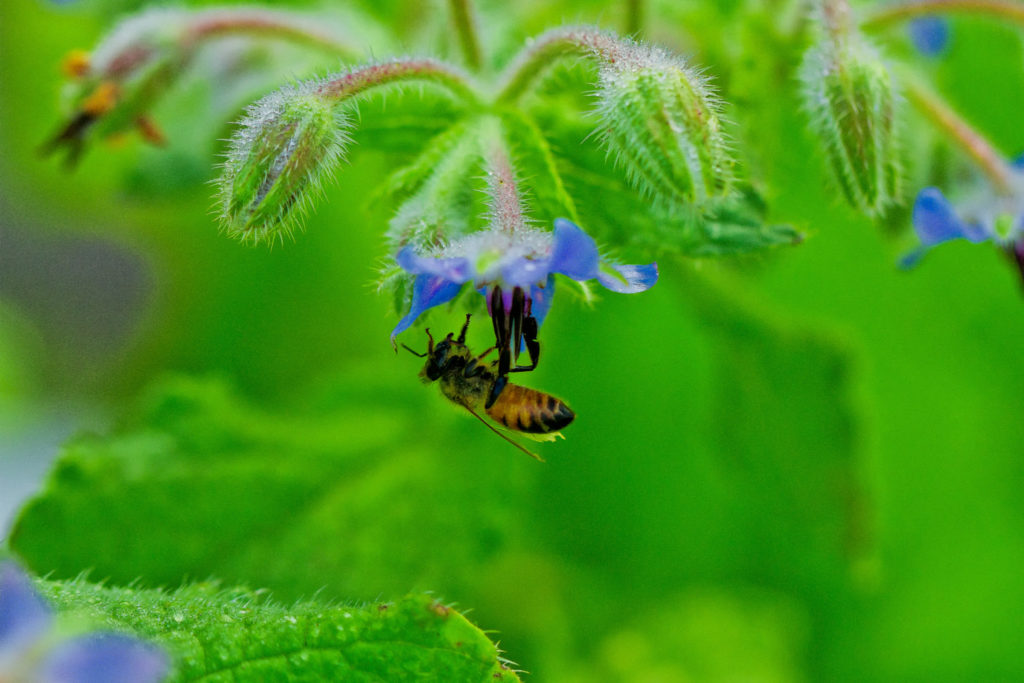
525, 259
30, 652
114, 89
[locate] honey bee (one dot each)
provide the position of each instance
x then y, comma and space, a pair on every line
477, 386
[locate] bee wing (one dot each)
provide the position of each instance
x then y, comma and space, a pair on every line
550, 436
506, 437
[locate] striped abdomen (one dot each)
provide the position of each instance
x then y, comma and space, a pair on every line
530, 411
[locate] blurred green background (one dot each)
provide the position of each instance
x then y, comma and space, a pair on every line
802, 466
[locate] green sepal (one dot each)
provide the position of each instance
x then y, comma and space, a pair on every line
440, 190
729, 228
547, 198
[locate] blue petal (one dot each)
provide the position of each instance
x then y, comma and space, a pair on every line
634, 278
976, 232
427, 291
104, 658
934, 219
1018, 163
574, 253
912, 258
525, 272
453, 269
24, 616
541, 299
930, 35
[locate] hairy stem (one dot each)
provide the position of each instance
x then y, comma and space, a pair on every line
549, 48
219, 23
977, 147
406, 70
634, 16
506, 204
465, 27
885, 16
835, 15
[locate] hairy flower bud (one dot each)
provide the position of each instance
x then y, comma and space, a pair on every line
288, 142
852, 103
661, 121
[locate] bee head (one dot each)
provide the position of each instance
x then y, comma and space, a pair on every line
437, 359
436, 355
441, 356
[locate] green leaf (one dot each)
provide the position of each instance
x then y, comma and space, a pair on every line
218, 635
349, 501
440, 191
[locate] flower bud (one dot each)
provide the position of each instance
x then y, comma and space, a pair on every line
287, 144
852, 103
662, 123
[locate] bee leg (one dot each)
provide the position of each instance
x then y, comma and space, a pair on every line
462, 333
532, 345
473, 367
495, 391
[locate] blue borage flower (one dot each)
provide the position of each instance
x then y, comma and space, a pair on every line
29, 652
503, 261
984, 216
930, 35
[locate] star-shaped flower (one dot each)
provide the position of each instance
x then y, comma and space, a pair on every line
501, 262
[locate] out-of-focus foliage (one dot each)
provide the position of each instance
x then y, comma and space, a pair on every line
196, 485
800, 466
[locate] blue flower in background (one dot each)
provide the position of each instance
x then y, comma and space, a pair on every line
930, 35
526, 259
984, 216
30, 653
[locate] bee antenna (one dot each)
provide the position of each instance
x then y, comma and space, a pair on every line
419, 355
